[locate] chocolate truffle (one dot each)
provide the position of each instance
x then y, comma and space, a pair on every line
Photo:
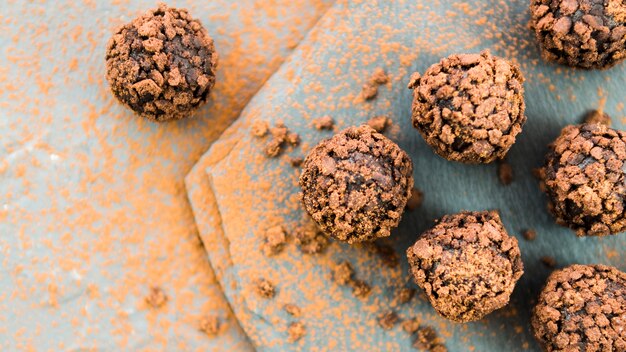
162, 64
580, 33
582, 308
469, 107
356, 184
467, 265
584, 179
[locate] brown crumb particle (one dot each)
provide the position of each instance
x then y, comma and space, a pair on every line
273, 148
548, 261
379, 123
342, 273
369, 91
210, 325
360, 289
379, 76
293, 138
426, 339
310, 239
280, 136
411, 325
259, 128
388, 320
292, 310
416, 199
296, 161
275, 239
296, 331
405, 295
156, 298
597, 116
264, 288
324, 123
530, 234
505, 173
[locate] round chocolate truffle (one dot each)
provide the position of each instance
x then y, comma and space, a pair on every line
582, 308
580, 33
162, 64
467, 264
356, 184
584, 179
469, 107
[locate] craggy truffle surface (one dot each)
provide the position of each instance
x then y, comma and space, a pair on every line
582, 308
467, 264
584, 179
581, 33
162, 64
355, 185
469, 107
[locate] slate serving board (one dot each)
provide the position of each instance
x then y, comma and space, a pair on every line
237, 193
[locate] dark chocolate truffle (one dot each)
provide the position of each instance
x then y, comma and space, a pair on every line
469, 107
584, 179
467, 265
162, 64
582, 308
356, 184
580, 33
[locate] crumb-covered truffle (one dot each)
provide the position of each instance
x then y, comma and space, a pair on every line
584, 179
582, 308
580, 33
469, 107
162, 64
467, 264
355, 185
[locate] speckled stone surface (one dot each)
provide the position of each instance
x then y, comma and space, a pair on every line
93, 211
324, 76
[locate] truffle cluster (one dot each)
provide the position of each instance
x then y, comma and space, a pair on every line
162, 64
467, 264
582, 308
470, 107
356, 184
584, 179
581, 33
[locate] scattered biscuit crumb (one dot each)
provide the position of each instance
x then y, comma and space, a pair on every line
360, 289
405, 295
597, 116
416, 199
411, 325
293, 138
379, 123
342, 273
210, 325
505, 173
264, 288
280, 136
324, 123
426, 339
310, 240
259, 128
548, 261
379, 76
156, 298
296, 331
538, 173
275, 239
292, 309
296, 161
369, 91
273, 148
530, 234
388, 320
